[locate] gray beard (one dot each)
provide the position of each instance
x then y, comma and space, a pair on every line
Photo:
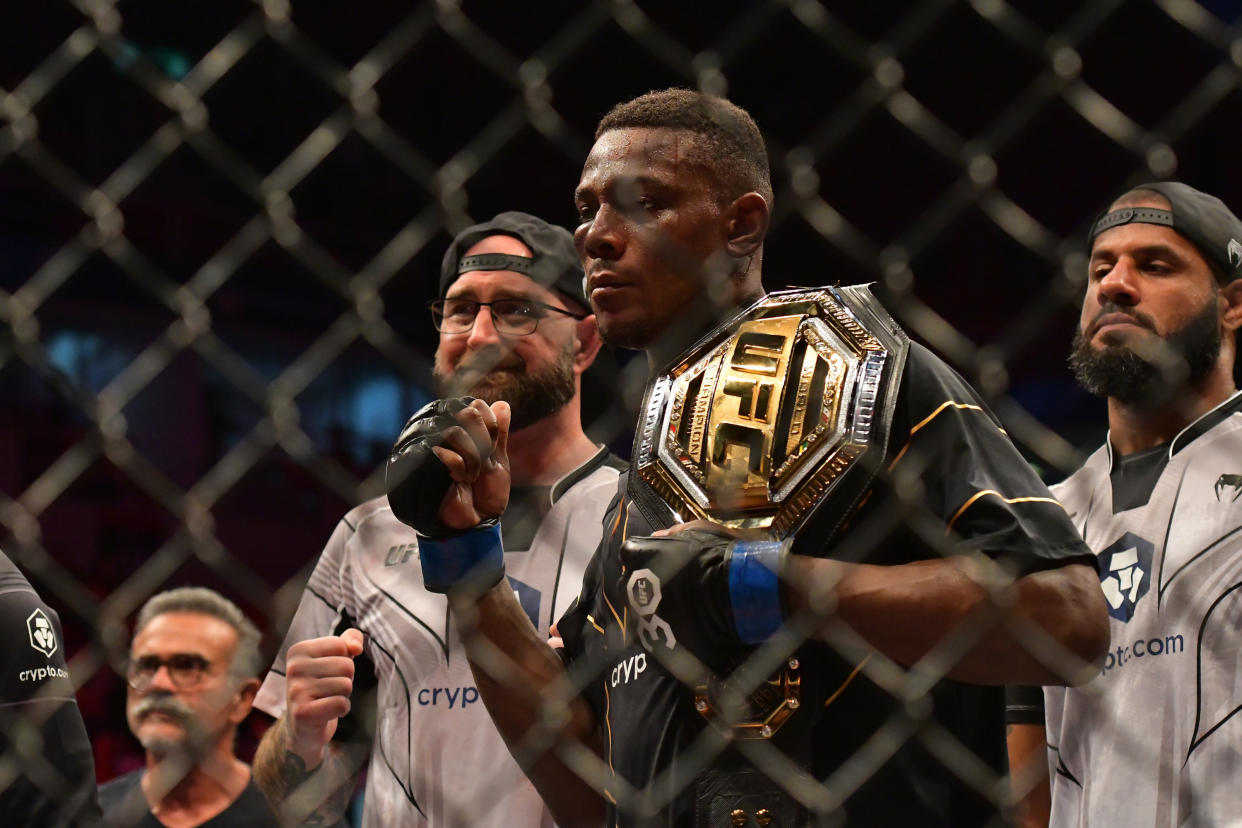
165, 747
191, 744
1183, 357
531, 395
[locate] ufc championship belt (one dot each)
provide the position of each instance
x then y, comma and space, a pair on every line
777, 419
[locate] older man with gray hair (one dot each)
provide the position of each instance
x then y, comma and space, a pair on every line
192, 678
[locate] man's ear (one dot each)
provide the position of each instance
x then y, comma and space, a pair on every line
588, 344
246, 691
1231, 315
746, 224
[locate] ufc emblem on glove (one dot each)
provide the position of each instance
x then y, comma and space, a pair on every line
643, 592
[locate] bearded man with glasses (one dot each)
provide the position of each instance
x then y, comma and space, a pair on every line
192, 677
467, 363
373, 668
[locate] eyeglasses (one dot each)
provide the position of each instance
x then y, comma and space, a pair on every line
510, 317
185, 670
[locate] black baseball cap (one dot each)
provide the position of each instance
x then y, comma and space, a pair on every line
555, 264
1203, 219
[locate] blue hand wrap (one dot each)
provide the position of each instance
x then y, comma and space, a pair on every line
476, 556
755, 589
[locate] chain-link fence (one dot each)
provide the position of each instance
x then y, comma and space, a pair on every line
222, 221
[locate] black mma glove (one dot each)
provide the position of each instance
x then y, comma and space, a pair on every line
417, 483
706, 591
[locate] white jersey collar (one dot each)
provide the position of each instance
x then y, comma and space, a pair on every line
1201, 425
570, 478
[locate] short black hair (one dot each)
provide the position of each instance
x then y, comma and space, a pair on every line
735, 148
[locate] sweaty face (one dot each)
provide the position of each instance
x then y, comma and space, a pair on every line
166, 717
534, 373
652, 238
1151, 317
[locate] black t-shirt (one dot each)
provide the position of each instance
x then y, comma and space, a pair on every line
969, 477
55, 785
124, 805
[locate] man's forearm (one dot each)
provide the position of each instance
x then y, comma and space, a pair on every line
519, 675
303, 795
1028, 774
906, 611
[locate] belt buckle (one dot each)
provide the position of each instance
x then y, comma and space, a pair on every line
767, 708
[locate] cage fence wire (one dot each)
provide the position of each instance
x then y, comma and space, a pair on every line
222, 221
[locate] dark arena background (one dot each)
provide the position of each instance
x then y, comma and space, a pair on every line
221, 220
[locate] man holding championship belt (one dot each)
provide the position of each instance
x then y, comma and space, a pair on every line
826, 557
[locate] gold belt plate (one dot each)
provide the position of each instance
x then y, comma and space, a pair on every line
752, 428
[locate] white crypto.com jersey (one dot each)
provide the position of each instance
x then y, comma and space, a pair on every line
1156, 739
437, 760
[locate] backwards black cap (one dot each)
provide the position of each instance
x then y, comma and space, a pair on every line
1203, 219
554, 266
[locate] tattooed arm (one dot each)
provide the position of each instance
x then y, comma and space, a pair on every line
302, 794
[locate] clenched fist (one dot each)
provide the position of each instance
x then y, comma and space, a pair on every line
449, 470
448, 478
319, 677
